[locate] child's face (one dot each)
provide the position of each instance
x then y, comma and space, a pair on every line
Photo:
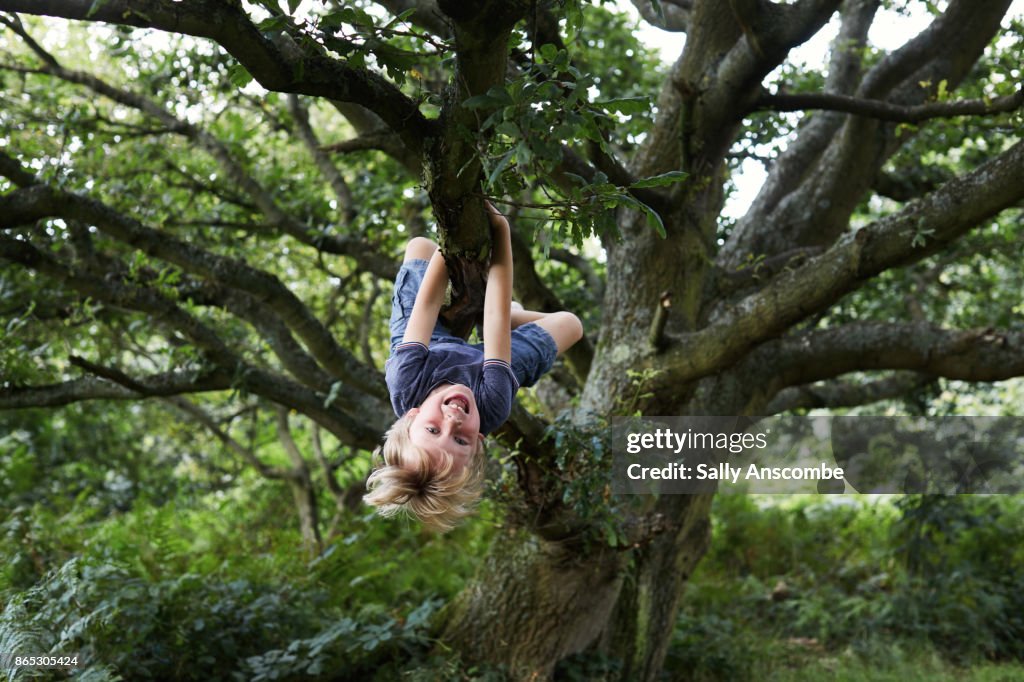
447, 420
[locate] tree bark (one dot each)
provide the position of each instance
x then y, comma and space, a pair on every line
534, 602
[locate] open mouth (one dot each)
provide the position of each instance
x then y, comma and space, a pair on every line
459, 402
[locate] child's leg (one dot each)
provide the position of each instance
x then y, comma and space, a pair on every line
521, 316
564, 327
419, 248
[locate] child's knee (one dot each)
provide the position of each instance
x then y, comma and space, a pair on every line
573, 325
565, 327
419, 248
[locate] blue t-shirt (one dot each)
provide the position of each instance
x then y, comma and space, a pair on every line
413, 371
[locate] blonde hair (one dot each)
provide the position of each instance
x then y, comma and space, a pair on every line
434, 490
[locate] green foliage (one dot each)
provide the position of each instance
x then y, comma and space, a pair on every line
831, 586
220, 589
533, 116
580, 482
358, 648
149, 630
569, 96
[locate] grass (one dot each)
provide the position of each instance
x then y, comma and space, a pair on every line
896, 665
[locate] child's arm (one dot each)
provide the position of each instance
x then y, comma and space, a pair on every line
498, 296
429, 300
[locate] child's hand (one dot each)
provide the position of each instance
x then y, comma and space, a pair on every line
499, 223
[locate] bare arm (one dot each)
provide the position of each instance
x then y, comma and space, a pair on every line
498, 297
428, 302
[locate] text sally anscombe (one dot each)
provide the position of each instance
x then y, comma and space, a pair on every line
694, 441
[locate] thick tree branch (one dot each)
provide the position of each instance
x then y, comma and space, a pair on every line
275, 69
356, 431
789, 170
920, 229
844, 163
272, 329
261, 196
377, 141
482, 31
674, 15
453, 169
772, 28
25, 206
755, 36
729, 282
98, 388
887, 111
838, 394
965, 355
12, 169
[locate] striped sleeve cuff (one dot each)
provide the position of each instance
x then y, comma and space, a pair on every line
502, 363
410, 344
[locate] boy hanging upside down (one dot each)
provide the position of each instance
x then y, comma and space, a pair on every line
448, 394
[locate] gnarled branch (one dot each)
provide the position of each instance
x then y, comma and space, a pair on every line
100, 388
888, 111
353, 430
966, 355
920, 229
837, 394
261, 196
674, 15
39, 201
274, 68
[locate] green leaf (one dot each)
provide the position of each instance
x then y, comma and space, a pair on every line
95, 7
401, 17
610, 536
500, 167
293, 5
331, 21
355, 17
507, 128
479, 102
548, 52
342, 46
500, 95
275, 23
654, 220
626, 105
239, 75
660, 180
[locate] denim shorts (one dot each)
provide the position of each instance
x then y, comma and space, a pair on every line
533, 349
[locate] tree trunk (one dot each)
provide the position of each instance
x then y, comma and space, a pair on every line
640, 630
533, 603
